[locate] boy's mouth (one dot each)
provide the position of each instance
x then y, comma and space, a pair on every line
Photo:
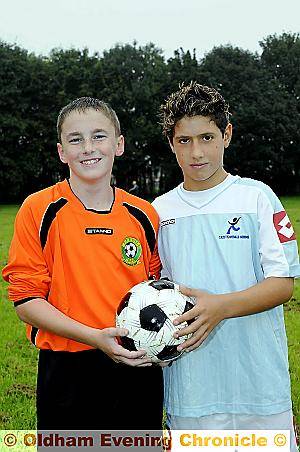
88, 162
198, 165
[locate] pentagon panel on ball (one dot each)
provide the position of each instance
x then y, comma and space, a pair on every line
148, 312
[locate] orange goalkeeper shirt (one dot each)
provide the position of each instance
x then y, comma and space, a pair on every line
80, 260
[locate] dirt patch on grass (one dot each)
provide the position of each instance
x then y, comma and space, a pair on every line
21, 389
292, 305
4, 418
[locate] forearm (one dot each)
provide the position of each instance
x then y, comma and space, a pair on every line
43, 315
211, 309
265, 295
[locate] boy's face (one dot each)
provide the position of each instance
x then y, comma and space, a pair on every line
199, 147
89, 145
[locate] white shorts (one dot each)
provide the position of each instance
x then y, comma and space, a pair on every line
224, 421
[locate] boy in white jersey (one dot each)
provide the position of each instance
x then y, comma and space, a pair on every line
230, 240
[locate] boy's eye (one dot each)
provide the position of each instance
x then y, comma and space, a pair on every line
184, 140
99, 136
74, 140
207, 137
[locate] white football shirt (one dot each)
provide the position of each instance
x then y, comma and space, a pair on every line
223, 240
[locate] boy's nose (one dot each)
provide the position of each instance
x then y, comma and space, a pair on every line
88, 147
197, 151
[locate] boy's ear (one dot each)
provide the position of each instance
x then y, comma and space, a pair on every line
227, 135
171, 145
61, 152
120, 146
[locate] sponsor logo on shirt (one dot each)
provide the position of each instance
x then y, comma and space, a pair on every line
92, 231
283, 227
131, 251
234, 227
167, 222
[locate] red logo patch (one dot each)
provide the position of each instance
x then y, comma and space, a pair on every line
283, 227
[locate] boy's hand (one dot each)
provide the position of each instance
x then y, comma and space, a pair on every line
206, 314
165, 363
106, 340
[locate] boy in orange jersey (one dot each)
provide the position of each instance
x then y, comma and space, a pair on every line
78, 247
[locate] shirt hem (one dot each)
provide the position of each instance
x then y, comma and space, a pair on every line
207, 410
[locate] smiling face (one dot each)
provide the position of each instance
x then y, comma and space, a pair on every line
199, 148
88, 146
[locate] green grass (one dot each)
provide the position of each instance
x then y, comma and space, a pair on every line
18, 359
292, 312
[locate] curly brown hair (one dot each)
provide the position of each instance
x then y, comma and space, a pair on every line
192, 100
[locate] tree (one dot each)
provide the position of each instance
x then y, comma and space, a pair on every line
133, 77
22, 75
281, 58
262, 112
263, 93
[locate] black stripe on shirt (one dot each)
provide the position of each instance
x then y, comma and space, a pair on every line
34, 332
24, 300
145, 222
49, 216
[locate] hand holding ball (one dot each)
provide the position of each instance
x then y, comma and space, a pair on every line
148, 312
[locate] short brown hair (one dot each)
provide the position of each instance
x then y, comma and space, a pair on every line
85, 103
192, 100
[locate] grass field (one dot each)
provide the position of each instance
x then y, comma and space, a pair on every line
18, 359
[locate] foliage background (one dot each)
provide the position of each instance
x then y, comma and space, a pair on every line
262, 90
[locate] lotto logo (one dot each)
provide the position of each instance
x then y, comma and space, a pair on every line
283, 227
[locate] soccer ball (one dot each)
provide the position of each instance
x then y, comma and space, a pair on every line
148, 311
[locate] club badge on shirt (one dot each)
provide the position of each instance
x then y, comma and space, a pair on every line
131, 251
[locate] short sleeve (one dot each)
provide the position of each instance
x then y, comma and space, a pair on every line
26, 270
277, 241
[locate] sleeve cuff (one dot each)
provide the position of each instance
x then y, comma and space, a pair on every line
24, 300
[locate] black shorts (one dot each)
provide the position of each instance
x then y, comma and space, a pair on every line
89, 391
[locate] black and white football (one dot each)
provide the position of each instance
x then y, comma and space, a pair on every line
148, 312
